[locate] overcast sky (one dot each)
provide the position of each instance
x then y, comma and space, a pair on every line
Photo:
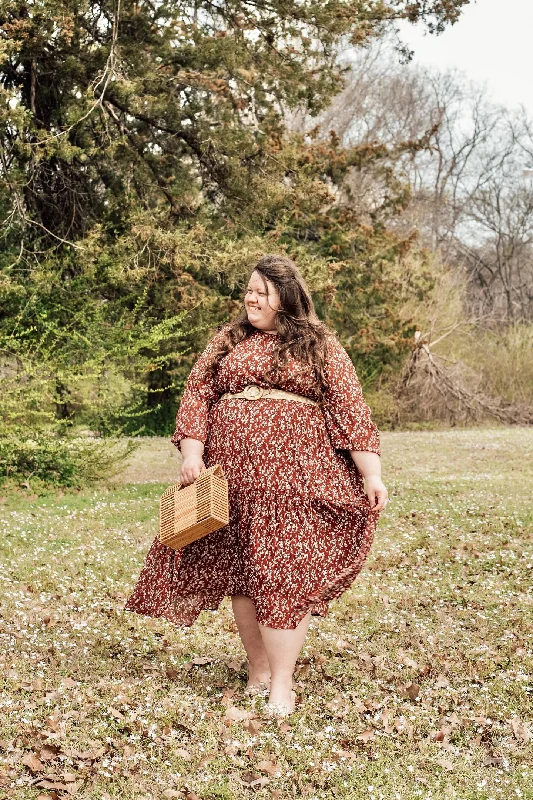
492, 42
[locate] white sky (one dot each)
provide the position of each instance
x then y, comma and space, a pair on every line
492, 43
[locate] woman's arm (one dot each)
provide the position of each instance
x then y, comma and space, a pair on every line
369, 465
192, 464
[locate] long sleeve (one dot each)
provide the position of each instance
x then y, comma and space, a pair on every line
198, 397
347, 416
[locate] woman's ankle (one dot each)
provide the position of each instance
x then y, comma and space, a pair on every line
259, 672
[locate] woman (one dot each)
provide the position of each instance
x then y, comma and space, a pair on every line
275, 400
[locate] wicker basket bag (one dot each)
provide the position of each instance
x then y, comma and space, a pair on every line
187, 514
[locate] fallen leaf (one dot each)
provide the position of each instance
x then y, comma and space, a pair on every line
253, 780
520, 730
365, 736
441, 682
68, 683
285, 727
182, 753
445, 764
48, 752
199, 662
171, 674
114, 712
366, 658
236, 664
412, 691
171, 793
191, 796
253, 726
53, 721
269, 767
237, 714
387, 718
404, 658
128, 751
438, 737
49, 784
31, 761
53, 796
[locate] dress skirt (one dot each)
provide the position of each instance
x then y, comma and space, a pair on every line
300, 524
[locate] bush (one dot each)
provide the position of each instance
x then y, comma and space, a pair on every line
60, 462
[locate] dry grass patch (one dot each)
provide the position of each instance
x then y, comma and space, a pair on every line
418, 684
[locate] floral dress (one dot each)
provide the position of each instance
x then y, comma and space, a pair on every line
300, 524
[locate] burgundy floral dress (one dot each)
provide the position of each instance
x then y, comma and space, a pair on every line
300, 524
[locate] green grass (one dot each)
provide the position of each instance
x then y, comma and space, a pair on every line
114, 706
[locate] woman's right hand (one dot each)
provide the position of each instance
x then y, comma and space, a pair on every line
191, 466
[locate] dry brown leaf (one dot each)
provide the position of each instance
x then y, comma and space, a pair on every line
284, 727
445, 764
365, 736
520, 730
182, 753
53, 721
366, 658
438, 737
237, 714
253, 780
114, 712
128, 751
31, 761
171, 793
199, 662
441, 682
253, 726
33, 686
412, 691
50, 784
48, 752
68, 683
53, 796
171, 674
406, 659
269, 767
191, 796
387, 717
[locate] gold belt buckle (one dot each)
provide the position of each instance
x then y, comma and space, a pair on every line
252, 391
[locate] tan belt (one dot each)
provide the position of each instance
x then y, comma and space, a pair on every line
254, 392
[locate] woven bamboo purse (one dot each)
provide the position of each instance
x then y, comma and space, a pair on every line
192, 512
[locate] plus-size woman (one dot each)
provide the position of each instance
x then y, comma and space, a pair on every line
275, 400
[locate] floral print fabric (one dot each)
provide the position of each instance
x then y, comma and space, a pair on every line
300, 524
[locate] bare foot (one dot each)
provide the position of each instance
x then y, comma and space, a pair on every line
281, 710
258, 681
281, 693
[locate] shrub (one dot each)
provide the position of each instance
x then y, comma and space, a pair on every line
60, 462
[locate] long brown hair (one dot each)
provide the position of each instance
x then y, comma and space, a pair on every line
301, 334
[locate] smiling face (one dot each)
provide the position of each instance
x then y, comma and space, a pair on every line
261, 306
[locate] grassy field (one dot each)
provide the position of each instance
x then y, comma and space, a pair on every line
417, 685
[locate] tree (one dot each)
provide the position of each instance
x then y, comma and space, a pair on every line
143, 162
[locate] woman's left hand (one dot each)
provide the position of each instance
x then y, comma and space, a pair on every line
377, 493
